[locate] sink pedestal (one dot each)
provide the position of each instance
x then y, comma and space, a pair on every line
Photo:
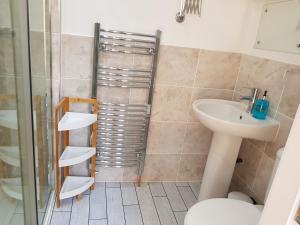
220, 165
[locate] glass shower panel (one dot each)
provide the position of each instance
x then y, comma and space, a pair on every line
11, 196
39, 36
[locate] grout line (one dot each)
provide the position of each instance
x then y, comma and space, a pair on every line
170, 202
122, 205
182, 198
195, 75
137, 197
105, 201
71, 211
154, 203
193, 191
237, 77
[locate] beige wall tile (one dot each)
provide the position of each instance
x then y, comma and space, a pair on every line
197, 139
251, 156
6, 55
37, 53
203, 93
261, 73
56, 62
76, 88
166, 137
142, 62
238, 184
161, 167
130, 174
217, 69
291, 95
138, 96
284, 130
113, 95
262, 178
116, 60
76, 56
191, 167
171, 103
176, 66
109, 174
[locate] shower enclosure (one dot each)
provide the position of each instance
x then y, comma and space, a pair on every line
25, 112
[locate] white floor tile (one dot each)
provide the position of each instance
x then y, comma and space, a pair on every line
98, 202
164, 210
174, 197
115, 211
80, 211
129, 194
187, 196
133, 215
157, 189
147, 206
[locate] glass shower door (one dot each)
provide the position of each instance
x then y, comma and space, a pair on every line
25, 112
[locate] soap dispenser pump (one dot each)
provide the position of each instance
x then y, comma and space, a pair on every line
261, 108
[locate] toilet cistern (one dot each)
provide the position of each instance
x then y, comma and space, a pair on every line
230, 124
254, 94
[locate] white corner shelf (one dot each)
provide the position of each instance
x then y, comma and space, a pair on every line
74, 185
8, 118
10, 155
74, 155
73, 120
12, 187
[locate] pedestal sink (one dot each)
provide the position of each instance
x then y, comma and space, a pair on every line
230, 123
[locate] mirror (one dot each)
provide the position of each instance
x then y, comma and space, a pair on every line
279, 28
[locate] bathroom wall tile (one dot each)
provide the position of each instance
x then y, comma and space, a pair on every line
138, 96
109, 174
284, 130
176, 66
116, 60
262, 178
6, 55
251, 156
165, 137
113, 95
291, 95
55, 92
37, 54
76, 88
142, 62
161, 167
217, 69
197, 139
191, 167
56, 62
171, 103
238, 184
76, 56
129, 174
264, 74
207, 93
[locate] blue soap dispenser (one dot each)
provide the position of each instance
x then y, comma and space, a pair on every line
261, 108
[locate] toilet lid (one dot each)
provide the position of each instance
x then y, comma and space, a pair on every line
222, 211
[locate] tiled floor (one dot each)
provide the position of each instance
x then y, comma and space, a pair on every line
126, 204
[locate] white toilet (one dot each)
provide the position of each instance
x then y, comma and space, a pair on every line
237, 209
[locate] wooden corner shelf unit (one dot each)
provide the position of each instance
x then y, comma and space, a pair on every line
72, 155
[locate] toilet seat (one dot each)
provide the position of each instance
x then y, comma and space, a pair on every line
222, 211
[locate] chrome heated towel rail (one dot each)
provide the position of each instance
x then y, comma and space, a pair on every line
123, 127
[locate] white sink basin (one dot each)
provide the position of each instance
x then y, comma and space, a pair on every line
231, 118
230, 123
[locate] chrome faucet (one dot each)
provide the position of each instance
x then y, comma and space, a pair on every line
251, 98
